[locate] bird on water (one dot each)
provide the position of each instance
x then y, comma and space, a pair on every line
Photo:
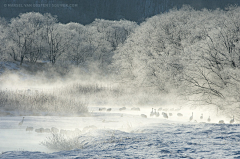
21, 122
209, 119
191, 117
232, 120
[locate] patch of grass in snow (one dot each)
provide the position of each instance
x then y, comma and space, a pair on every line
28, 102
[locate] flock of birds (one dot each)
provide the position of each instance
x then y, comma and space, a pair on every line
120, 109
165, 115
56, 130
155, 113
152, 114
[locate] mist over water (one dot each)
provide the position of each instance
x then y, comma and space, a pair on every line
92, 89
94, 128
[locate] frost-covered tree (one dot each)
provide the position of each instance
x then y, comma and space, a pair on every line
79, 50
24, 35
58, 39
193, 53
213, 71
111, 34
27, 38
3, 36
151, 57
115, 32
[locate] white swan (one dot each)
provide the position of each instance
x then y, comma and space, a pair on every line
123, 108
201, 117
191, 117
179, 114
135, 109
221, 122
40, 130
29, 129
102, 109
54, 130
209, 119
232, 120
165, 115
152, 113
21, 122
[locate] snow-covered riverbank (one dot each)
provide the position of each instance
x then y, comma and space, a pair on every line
121, 134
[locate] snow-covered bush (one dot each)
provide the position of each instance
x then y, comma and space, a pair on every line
94, 138
63, 142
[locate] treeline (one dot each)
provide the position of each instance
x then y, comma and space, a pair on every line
33, 37
194, 54
87, 11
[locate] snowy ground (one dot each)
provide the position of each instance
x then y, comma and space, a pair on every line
123, 134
